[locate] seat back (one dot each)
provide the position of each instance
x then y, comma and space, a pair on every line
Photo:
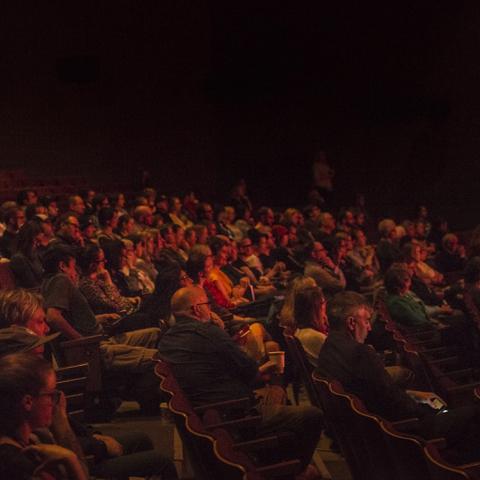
209, 452
441, 470
303, 366
406, 454
339, 418
72, 381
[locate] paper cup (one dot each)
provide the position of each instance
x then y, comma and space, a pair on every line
279, 359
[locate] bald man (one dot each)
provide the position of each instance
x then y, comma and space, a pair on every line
210, 367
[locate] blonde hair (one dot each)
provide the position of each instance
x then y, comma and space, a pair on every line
18, 306
287, 313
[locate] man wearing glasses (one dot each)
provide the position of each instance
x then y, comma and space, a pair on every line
210, 367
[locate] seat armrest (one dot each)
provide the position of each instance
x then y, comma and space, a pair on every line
245, 402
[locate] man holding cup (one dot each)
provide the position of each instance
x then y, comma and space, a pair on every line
210, 367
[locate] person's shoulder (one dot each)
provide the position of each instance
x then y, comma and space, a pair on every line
57, 281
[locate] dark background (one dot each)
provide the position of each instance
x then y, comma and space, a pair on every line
202, 92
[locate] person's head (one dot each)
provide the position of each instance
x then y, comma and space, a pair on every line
108, 217
60, 259
27, 197
179, 232
199, 264
138, 244
151, 195
316, 251
409, 227
117, 200
346, 218
229, 214
77, 205
23, 308
201, 232
265, 216
386, 228
359, 237
245, 249
327, 222
69, 226
412, 252
397, 280
91, 259
115, 254
191, 236
30, 236
174, 205
310, 309
143, 215
280, 235
342, 244
205, 211
125, 225
192, 302
14, 218
420, 230
51, 205
349, 312
292, 215
220, 251
100, 200
287, 317
450, 243
27, 393
168, 235
87, 227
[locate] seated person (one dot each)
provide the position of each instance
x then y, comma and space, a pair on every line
327, 275
125, 453
387, 249
311, 321
27, 401
25, 262
210, 367
452, 256
69, 312
345, 358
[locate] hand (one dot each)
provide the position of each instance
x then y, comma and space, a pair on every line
114, 449
215, 319
60, 409
49, 454
104, 275
238, 291
447, 309
107, 317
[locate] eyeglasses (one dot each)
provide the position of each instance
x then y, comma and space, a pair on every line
73, 224
203, 303
184, 277
246, 245
54, 395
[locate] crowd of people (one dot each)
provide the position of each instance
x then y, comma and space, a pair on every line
210, 287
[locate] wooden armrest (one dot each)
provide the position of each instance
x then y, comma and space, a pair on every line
257, 444
402, 425
471, 468
246, 422
440, 443
463, 388
442, 361
244, 402
456, 373
80, 342
284, 468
